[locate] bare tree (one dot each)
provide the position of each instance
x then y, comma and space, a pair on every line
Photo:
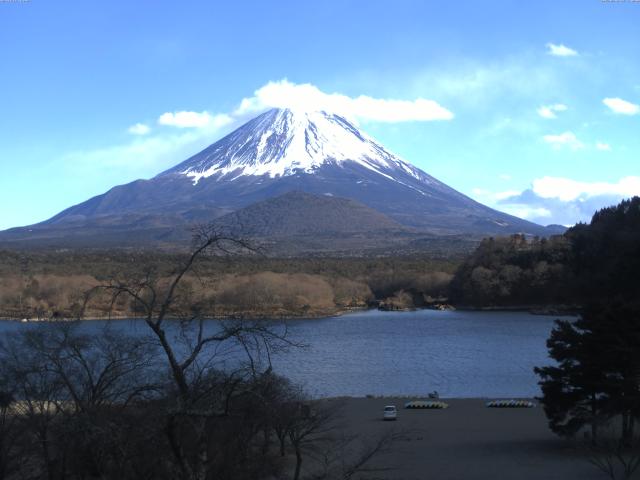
348, 456
313, 429
614, 457
69, 391
10, 436
108, 369
308, 427
37, 395
189, 353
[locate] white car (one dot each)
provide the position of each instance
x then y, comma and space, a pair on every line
390, 413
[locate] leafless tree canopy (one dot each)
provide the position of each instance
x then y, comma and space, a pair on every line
85, 403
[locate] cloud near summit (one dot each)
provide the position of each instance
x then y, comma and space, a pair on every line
305, 96
308, 97
193, 130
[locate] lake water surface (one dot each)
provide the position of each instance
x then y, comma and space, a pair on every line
457, 353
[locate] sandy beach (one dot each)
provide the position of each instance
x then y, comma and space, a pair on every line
467, 441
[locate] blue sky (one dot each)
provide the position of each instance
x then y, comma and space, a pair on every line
529, 107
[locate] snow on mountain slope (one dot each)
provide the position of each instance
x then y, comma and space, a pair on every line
283, 142
280, 151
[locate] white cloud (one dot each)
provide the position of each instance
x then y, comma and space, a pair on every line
566, 189
186, 119
504, 176
147, 154
560, 50
494, 196
566, 201
305, 96
473, 83
137, 156
549, 111
567, 139
200, 129
284, 94
528, 213
506, 194
618, 105
139, 129
603, 146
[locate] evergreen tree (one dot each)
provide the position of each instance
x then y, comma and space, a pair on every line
615, 331
597, 376
572, 391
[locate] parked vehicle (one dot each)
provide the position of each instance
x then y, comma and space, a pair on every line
390, 413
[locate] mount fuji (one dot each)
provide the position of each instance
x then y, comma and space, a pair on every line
320, 154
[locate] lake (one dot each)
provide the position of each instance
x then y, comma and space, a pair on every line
457, 353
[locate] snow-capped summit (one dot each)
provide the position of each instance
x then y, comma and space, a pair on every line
283, 142
251, 172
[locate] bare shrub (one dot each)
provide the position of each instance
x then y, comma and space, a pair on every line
399, 301
351, 293
275, 293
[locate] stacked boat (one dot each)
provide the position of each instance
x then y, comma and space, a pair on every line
425, 404
510, 404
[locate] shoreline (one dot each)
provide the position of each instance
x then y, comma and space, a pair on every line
204, 317
549, 310
424, 397
561, 310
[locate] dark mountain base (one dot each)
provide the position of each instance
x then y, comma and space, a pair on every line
293, 224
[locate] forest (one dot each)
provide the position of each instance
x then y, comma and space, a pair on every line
598, 260
177, 400
50, 284
592, 389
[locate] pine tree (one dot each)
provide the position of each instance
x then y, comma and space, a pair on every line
573, 389
597, 376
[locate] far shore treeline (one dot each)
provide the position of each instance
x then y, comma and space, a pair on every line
596, 260
52, 284
599, 260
